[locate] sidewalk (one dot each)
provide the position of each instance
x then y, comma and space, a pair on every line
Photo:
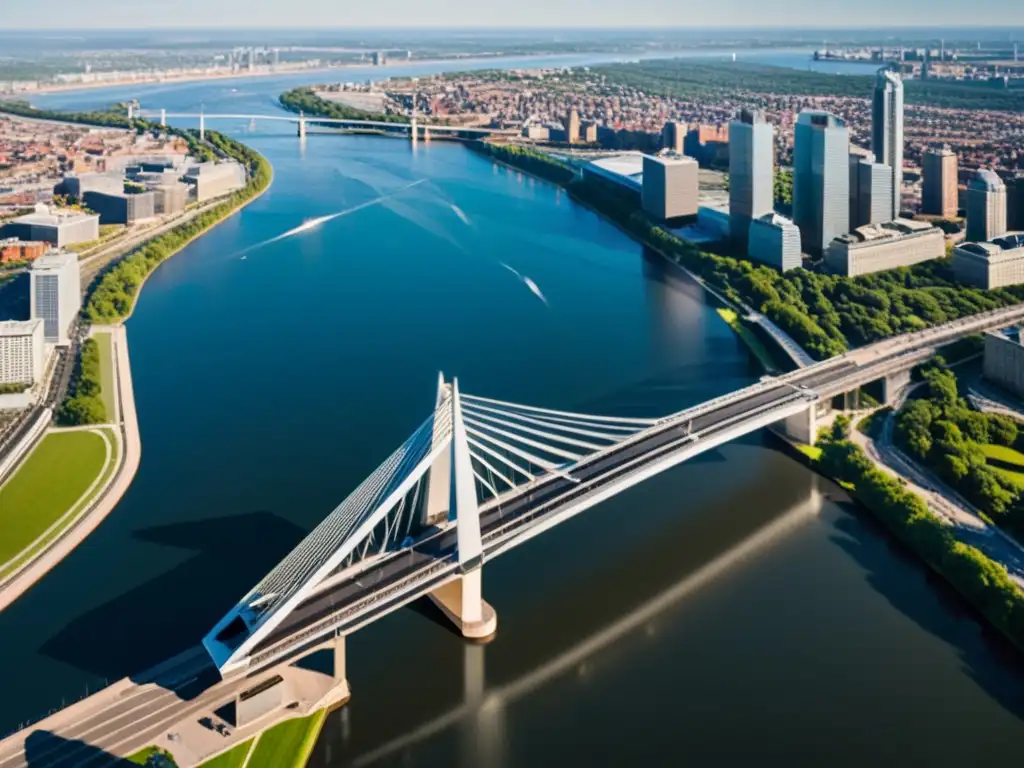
944, 502
108, 498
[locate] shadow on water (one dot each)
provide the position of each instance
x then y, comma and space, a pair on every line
43, 748
990, 660
159, 618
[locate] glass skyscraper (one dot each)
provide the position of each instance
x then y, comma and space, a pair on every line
887, 129
821, 179
751, 172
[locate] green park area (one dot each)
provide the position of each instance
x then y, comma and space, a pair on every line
57, 481
748, 337
288, 744
233, 758
1005, 461
107, 385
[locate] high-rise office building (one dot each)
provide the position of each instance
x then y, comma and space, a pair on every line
672, 137
670, 187
774, 240
887, 130
986, 206
821, 179
870, 192
939, 192
1015, 203
22, 355
751, 172
55, 294
572, 127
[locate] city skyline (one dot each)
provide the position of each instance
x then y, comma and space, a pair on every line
529, 14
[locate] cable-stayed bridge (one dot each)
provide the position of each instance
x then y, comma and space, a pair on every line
476, 478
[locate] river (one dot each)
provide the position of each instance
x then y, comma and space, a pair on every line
731, 610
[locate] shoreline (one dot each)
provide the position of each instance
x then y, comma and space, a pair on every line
926, 560
197, 78
34, 569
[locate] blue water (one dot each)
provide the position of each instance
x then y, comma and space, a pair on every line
729, 610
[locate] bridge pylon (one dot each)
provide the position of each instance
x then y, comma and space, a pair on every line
302, 125
163, 117
462, 600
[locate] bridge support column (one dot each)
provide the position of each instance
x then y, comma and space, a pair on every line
302, 126
893, 386
802, 426
202, 127
163, 117
462, 602
131, 111
439, 482
414, 131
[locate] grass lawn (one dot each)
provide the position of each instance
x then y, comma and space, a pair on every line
233, 758
48, 483
288, 744
1006, 462
1002, 453
749, 338
810, 451
140, 757
104, 342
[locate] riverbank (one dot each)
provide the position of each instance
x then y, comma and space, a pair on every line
93, 507
984, 583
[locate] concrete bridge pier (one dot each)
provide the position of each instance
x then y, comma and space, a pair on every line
803, 425
202, 127
163, 117
893, 386
302, 126
414, 131
462, 602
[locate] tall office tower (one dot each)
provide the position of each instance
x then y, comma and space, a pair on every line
670, 187
55, 294
821, 179
887, 130
870, 192
672, 136
751, 172
986, 206
939, 194
572, 127
1015, 204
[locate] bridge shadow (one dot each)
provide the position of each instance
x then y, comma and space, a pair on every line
44, 749
170, 613
987, 657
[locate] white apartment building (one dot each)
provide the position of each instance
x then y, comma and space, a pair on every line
55, 294
22, 351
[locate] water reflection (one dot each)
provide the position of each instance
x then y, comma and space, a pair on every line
480, 718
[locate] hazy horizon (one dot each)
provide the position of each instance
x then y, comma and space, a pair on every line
532, 15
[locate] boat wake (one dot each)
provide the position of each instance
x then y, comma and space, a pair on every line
534, 288
311, 224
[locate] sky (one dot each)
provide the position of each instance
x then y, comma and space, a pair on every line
132, 14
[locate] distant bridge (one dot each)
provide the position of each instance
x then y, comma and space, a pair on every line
414, 128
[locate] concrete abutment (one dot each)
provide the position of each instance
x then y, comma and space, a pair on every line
462, 602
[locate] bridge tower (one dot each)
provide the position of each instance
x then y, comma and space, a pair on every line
131, 111
163, 117
202, 126
302, 125
414, 130
462, 600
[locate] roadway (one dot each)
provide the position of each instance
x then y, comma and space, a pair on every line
431, 560
131, 715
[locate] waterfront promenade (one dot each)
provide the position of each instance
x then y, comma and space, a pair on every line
129, 445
